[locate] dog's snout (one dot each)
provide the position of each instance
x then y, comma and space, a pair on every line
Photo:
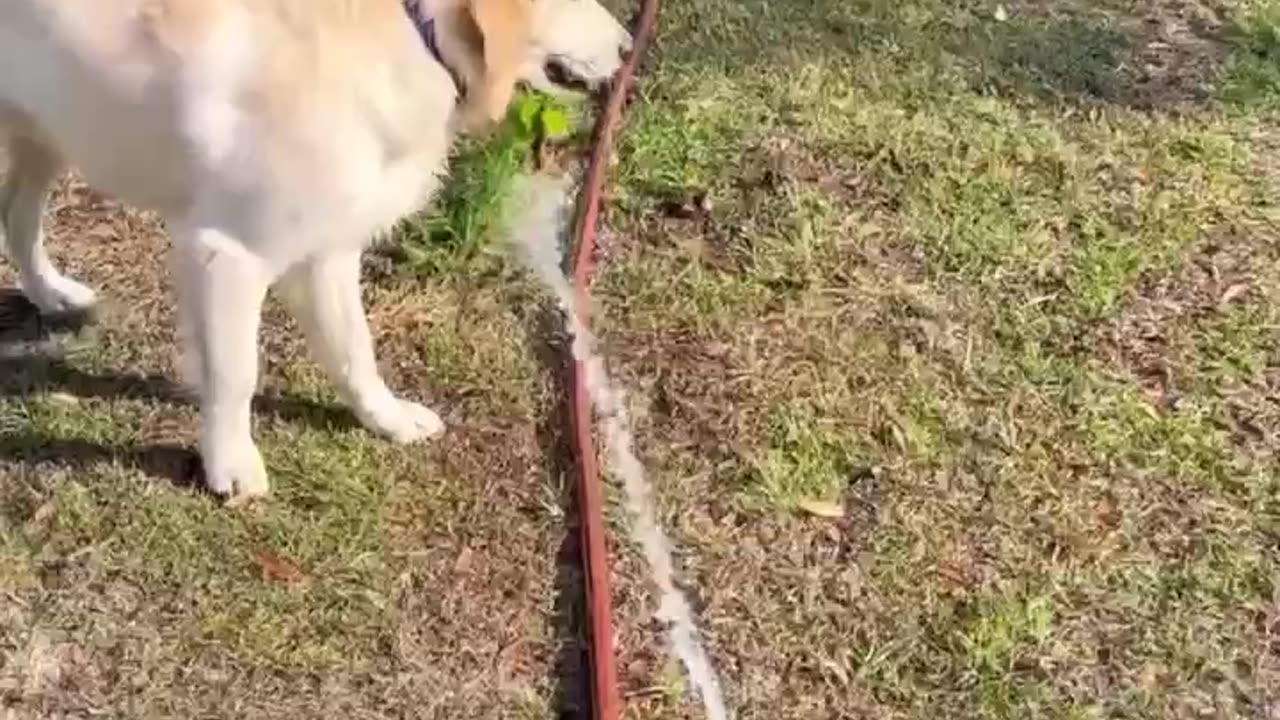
626, 43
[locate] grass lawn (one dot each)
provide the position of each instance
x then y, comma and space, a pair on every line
997, 284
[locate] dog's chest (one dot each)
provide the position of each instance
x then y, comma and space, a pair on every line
364, 166
325, 156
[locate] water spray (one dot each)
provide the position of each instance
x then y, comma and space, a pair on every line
536, 227
542, 203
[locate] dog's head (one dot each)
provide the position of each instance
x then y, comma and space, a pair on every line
553, 45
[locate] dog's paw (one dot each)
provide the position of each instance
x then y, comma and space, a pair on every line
402, 421
58, 294
236, 474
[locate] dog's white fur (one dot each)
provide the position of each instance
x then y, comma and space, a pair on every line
276, 138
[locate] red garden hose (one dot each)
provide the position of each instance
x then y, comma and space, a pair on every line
595, 552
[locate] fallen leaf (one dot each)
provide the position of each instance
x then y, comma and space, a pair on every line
102, 231
1001, 14
694, 247
821, 508
1149, 410
511, 659
44, 512
40, 517
462, 565
279, 569
1233, 292
62, 398
1108, 513
717, 349
837, 669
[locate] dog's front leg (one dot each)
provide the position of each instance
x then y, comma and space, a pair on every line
324, 295
221, 287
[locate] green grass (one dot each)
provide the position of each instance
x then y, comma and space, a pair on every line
1253, 75
1003, 294
970, 249
466, 217
801, 463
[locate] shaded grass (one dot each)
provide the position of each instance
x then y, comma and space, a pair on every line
186, 548
1253, 79
129, 593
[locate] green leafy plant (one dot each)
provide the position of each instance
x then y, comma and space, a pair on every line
468, 210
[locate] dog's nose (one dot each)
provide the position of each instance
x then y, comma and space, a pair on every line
605, 91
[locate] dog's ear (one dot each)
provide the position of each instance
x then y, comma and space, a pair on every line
494, 36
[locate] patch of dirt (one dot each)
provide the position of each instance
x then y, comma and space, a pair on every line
778, 163
1152, 54
1163, 337
1177, 51
724, 227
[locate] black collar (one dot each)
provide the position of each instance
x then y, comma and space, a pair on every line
426, 27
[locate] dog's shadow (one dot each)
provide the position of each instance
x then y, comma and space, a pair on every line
33, 361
